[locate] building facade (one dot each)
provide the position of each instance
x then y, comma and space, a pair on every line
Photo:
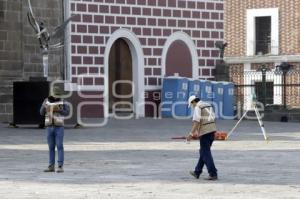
109, 44
264, 33
140, 41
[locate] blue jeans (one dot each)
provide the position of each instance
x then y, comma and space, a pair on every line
206, 156
55, 137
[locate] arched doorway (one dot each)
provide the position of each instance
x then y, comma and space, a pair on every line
137, 57
179, 60
184, 43
120, 78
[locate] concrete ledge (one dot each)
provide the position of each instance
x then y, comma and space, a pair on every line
262, 59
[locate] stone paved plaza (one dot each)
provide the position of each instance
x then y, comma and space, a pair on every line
137, 159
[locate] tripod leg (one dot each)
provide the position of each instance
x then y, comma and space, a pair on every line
261, 124
230, 132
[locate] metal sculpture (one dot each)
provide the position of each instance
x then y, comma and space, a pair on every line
48, 40
221, 46
222, 69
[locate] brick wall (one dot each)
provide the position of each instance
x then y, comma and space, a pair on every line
152, 22
20, 55
257, 66
235, 13
235, 25
236, 74
293, 92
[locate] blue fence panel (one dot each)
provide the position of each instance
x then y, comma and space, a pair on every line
228, 100
174, 97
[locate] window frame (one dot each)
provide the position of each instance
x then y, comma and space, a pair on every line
251, 29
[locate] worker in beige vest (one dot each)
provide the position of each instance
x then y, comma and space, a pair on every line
204, 127
54, 109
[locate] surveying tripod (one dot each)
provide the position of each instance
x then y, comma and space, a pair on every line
258, 116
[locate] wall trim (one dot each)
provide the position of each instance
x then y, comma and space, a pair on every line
68, 43
153, 88
262, 59
76, 87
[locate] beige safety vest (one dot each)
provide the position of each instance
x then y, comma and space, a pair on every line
207, 122
53, 118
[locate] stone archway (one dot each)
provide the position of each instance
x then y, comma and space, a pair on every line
179, 60
185, 38
137, 57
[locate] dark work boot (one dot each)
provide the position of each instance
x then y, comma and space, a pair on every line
194, 174
50, 168
60, 169
212, 178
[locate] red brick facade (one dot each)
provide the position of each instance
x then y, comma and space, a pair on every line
152, 22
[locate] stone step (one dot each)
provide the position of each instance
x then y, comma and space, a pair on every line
294, 117
279, 116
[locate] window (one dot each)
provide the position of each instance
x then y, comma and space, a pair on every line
262, 31
263, 35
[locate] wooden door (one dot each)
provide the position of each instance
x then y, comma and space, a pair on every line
120, 68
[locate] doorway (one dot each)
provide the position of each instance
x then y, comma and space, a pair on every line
120, 79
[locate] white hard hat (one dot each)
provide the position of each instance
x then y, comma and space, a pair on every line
191, 98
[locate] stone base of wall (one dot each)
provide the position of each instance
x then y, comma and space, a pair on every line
152, 103
6, 98
292, 115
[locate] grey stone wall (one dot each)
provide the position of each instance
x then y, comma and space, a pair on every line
20, 54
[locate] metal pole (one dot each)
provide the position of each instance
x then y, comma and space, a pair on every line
261, 124
284, 89
264, 86
284, 67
